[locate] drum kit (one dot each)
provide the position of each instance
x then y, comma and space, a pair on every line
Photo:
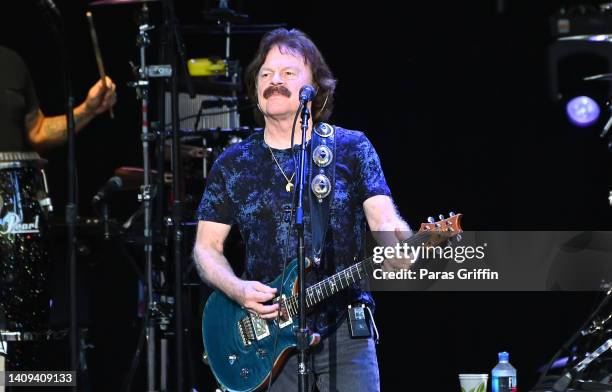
25, 205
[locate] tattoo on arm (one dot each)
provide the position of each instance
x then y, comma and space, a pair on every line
53, 129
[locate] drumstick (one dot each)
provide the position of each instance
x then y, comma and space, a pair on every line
94, 41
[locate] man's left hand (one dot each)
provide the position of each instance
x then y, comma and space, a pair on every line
395, 264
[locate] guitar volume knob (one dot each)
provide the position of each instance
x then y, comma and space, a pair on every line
232, 358
244, 373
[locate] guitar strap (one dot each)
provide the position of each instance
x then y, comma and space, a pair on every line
322, 181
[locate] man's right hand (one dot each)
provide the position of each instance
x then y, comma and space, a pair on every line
252, 294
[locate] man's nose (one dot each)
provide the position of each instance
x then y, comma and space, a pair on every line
276, 78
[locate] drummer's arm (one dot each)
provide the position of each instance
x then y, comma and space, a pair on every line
48, 131
51, 131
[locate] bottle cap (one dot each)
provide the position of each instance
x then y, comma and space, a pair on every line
503, 356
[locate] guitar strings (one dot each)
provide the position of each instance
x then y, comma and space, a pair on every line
292, 301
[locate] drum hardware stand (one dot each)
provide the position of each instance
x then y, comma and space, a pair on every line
230, 70
234, 122
154, 313
146, 193
164, 317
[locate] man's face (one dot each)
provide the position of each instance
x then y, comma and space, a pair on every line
279, 81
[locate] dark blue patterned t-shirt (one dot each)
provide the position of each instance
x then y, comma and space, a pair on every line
246, 188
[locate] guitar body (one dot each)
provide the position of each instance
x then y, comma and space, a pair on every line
244, 363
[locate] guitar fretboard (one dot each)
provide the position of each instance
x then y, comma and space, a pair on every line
319, 292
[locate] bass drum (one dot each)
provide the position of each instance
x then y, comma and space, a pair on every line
24, 259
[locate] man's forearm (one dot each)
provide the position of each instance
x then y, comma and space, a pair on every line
215, 270
54, 129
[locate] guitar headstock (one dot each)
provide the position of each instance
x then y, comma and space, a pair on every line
450, 225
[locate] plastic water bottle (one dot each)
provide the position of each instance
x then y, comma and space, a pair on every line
503, 376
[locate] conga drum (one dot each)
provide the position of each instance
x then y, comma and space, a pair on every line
24, 256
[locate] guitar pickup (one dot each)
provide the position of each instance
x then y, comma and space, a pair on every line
260, 326
285, 317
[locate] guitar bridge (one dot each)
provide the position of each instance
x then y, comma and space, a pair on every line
253, 328
246, 331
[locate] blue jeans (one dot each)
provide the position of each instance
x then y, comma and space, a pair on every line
337, 364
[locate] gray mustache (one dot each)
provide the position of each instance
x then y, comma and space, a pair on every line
276, 89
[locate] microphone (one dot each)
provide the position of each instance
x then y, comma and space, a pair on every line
307, 93
113, 184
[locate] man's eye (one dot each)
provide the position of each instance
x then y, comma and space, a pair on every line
264, 75
289, 73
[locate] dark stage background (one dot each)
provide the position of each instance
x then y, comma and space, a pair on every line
454, 96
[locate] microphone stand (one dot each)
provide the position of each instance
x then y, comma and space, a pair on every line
146, 194
56, 23
72, 212
302, 332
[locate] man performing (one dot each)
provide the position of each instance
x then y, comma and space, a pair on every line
23, 125
24, 203
251, 186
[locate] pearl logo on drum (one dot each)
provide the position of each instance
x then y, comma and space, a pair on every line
13, 225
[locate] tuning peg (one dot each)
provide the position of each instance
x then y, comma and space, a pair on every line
431, 219
451, 214
441, 217
459, 237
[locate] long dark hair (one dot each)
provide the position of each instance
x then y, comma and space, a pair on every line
295, 41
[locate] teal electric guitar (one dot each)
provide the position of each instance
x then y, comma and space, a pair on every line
239, 345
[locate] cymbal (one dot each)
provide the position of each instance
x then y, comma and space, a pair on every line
588, 37
606, 76
117, 2
133, 177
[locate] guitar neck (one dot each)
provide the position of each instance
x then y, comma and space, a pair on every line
330, 286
